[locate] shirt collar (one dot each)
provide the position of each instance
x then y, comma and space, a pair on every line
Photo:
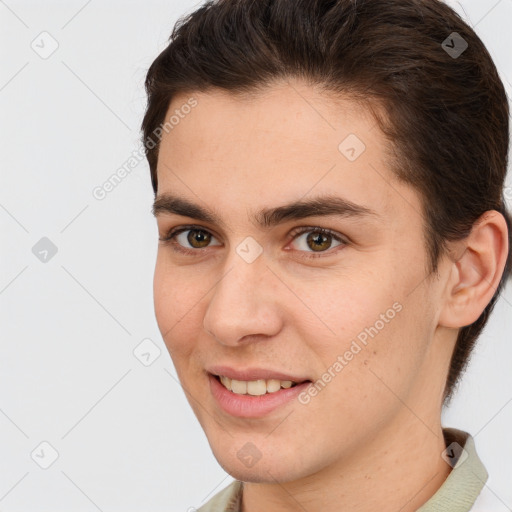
459, 491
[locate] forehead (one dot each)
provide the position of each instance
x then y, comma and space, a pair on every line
290, 112
277, 146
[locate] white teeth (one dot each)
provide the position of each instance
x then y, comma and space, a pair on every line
239, 386
273, 385
226, 381
254, 387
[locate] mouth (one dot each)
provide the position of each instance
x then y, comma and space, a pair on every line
255, 387
254, 398
254, 392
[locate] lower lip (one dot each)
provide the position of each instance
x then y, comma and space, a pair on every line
249, 406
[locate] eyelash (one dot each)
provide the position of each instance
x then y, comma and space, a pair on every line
169, 238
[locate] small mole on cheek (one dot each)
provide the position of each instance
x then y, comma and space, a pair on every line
374, 352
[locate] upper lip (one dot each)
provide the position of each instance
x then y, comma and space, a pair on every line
253, 374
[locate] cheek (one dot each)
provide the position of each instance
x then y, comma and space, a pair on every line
163, 296
177, 303
341, 307
361, 325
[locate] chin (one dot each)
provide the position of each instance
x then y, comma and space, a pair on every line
258, 474
268, 469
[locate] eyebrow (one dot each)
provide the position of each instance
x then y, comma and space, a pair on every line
327, 205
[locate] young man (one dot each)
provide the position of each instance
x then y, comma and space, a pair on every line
328, 180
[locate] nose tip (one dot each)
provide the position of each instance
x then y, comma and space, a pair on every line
244, 306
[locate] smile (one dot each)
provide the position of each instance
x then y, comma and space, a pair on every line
254, 398
254, 387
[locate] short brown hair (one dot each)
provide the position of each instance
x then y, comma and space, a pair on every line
447, 115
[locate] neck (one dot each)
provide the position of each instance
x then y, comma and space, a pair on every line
399, 470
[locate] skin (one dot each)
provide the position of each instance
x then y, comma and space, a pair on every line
372, 438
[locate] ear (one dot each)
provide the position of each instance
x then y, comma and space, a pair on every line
476, 272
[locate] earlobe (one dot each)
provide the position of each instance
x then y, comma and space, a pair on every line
476, 273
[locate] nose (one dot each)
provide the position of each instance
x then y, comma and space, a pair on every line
245, 303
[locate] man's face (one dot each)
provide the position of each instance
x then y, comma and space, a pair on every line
350, 315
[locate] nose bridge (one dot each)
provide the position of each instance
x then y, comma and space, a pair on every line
243, 302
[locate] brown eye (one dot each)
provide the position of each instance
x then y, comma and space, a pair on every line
197, 238
188, 240
318, 241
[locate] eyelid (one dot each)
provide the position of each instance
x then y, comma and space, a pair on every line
170, 237
171, 233
305, 229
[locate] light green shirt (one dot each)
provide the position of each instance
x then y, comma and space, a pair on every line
457, 494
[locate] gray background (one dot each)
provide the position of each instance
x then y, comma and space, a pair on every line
125, 436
